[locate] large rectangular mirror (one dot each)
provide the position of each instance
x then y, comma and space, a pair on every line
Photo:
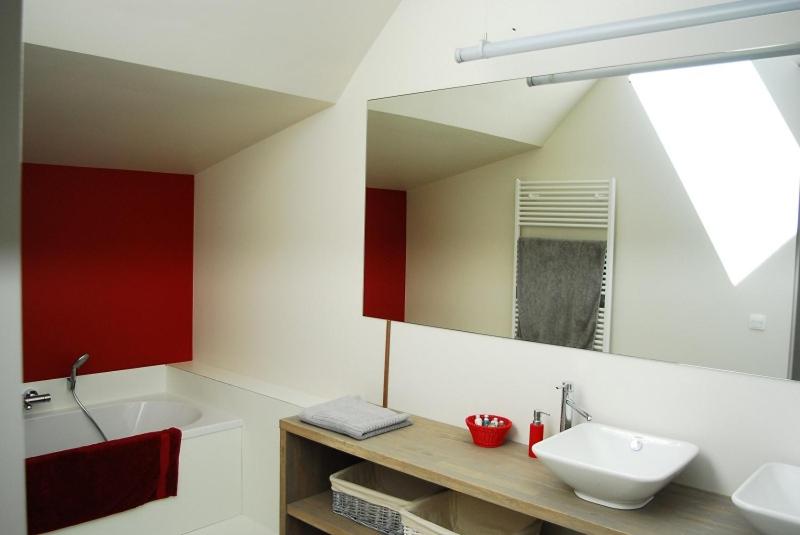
650, 214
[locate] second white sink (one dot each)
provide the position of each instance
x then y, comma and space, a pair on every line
614, 467
770, 499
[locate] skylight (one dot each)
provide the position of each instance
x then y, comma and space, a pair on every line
735, 156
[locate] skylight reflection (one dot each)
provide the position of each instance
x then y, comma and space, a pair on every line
734, 154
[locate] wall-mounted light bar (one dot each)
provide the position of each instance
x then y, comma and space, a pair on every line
626, 28
677, 63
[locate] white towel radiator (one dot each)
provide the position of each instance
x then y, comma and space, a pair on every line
576, 204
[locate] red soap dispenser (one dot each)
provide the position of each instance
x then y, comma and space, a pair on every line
537, 431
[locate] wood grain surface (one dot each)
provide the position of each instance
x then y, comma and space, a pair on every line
506, 476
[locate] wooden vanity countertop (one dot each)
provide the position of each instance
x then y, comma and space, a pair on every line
506, 476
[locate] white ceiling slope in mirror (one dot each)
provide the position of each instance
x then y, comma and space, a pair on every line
516, 112
304, 47
405, 152
88, 111
423, 137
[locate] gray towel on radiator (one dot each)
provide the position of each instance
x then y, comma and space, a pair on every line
354, 417
558, 290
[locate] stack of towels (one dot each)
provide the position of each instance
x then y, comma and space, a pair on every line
354, 417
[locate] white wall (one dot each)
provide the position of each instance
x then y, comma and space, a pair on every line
459, 249
279, 237
738, 421
278, 260
672, 298
261, 410
12, 496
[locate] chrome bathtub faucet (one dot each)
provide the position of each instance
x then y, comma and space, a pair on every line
567, 406
32, 396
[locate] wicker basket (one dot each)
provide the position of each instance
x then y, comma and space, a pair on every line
451, 513
373, 495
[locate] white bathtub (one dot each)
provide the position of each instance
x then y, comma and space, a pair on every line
70, 428
209, 480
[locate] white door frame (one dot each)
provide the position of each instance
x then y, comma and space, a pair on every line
12, 448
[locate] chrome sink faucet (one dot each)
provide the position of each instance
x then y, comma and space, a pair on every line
567, 406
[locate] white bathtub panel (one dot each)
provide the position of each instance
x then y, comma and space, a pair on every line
261, 437
209, 491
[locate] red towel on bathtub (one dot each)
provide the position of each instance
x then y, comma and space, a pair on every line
73, 486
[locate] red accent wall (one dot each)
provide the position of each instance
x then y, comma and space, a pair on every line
385, 254
106, 269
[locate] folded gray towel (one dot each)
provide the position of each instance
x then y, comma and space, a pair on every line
354, 417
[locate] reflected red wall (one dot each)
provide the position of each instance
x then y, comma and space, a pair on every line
106, 269
385, 254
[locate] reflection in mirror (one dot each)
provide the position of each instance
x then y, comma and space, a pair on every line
651, 215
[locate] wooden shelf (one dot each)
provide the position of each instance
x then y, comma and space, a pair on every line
506, 476
317, 512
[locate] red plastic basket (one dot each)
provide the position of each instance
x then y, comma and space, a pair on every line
488, 437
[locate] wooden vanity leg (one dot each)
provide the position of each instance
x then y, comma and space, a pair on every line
306, 467
283, 484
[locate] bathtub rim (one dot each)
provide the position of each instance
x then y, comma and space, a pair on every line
212, 420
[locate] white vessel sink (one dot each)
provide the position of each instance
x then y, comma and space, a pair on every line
770, 499
614, 467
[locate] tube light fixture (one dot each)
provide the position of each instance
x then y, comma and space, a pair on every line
661, 65
626, 28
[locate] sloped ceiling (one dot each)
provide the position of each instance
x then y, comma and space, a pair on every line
308, 48
95, 112
417, 139
508, 109
405, 152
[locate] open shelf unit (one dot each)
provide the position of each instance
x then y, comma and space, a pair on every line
506, 476
316, 511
